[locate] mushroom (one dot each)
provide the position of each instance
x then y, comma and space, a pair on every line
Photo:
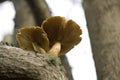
33, 38
63, 35
56, 36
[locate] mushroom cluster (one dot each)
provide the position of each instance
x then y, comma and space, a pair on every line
55, 36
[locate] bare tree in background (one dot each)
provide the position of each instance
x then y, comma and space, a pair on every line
103, 21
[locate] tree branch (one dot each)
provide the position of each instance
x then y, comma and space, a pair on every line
19, 64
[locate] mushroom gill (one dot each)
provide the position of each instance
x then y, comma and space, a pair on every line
33, 38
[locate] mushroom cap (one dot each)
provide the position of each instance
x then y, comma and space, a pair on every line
71, 36
32, 37
59, 30
54, 27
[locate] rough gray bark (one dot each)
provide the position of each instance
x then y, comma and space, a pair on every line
103, 21
18, 64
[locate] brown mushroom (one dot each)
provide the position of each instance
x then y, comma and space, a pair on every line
63, 35
33, 38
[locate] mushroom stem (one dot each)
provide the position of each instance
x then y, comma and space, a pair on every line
55, 48
38, 48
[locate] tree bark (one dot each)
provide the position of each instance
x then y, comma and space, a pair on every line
103, 21
67, 67
18, 64
24, 14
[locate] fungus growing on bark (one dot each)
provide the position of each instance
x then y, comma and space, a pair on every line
33, 38
55, 36
63, 35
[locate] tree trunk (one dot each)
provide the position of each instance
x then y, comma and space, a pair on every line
67, 67
18, 64
103, 21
